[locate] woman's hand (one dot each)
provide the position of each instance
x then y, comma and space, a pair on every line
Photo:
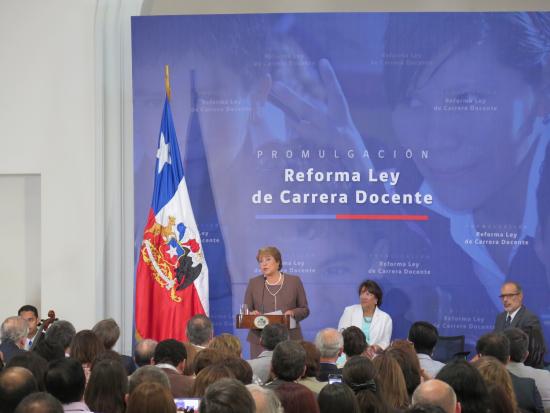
289, 312
255, 312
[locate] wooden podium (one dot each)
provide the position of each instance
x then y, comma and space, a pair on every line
258, 322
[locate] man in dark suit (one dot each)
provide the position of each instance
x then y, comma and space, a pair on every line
170, 356
330, 344
199, 333
13, 333
515, 314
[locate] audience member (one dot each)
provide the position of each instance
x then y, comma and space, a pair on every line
84, 348
209, 375
65, 380
500, 401
537, 348
149, 374
207, 357
296, 398
199, 332
519, 348
355, 341
32, 362
40, 402
170, 356
228, 344
425, 408
469, 386
107, 388
438, 393
271, 335
338, 397
61, 332
240, 369
391, 381
330, 343
309, 378
424, 337
403, 352
13, 334
360, 375
151, 398
144, 352
108, 333
30, 314
227, 396
49, 350
288, 363
15, 384
265, 400
495, 374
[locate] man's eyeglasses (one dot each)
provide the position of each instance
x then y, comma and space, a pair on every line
508, 295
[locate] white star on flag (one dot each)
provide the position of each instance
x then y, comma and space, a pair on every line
172, 251
163, 153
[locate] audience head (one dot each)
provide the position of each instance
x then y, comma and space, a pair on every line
61, 332
265, 399
373, 288
391, 381
403, 352
499, 400
151, 397
519, 344
30, 314
171, 352
496, 345
240, 369
107, 387
425, 408
206, 357
228, 344
330, 343
288, 361
199, 330
227, 396
469, 386
148, 374
495, 373
65, 380
32, 362
337, 397
313, 359
15, 384
273, 334
436, 392
537, 348
40, 402
209, 375
297, 398
144, 352
424, 337
86, 346
360, 375
49, 350
355, 342
108, 332
14, 329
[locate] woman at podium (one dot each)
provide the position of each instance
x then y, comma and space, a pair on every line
272, 291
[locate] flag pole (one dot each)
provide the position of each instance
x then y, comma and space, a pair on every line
167, 82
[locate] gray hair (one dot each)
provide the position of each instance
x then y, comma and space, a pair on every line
62, 332
14, 328
150, 374
199, 330
269, 402
329, 342
144, 351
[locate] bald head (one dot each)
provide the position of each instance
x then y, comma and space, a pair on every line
438, 393
15, 384
144, 352
330, 343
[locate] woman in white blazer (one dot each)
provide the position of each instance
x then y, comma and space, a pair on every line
375, 323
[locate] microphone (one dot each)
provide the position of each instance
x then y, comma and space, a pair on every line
263, 293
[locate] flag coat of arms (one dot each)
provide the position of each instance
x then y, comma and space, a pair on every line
171, 276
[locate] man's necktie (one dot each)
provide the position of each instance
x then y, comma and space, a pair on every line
508, 321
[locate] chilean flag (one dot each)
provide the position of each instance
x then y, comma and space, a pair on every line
172, 276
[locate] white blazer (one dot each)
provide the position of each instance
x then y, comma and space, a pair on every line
380, 328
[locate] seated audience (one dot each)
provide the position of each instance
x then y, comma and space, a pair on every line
32, 362
170, 356
438, 393
313, 358
61, 332
519, 349
39, 402
495, 375
296, 398
240, 369
271, 335
330, 344
13, 335
228, 344
151, 398
391, 381
265, 400
108, 333
288, 363
403, 352
107, 387
537, 347
360, 375
338, 397
227, 396
148, 374
144, 352
65, 380
209, 375
199, 332
424, 337
469, 386
85, 347
355, 342
207, 357
15, 384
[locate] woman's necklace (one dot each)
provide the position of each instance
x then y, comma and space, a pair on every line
281, 280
